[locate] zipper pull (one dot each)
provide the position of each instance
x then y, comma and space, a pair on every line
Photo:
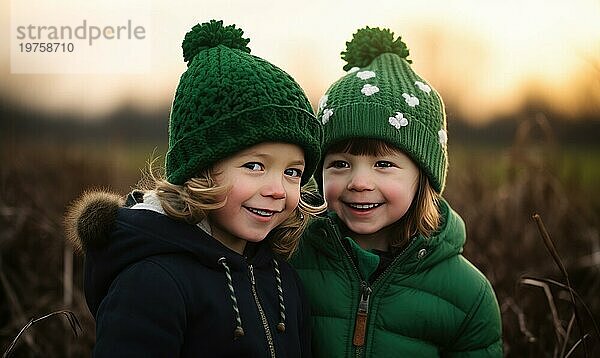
251, 274
360, 327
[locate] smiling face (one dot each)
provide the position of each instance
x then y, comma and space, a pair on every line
369, 192
264, 182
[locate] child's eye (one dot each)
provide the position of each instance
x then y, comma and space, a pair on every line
339, 164
254, 166
293, 172
384, 164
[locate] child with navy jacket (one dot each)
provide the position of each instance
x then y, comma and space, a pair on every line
196, 266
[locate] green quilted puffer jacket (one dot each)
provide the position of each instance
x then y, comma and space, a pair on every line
429, 302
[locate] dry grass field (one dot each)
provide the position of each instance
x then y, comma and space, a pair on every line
496, 190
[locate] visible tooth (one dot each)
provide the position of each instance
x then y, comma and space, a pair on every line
364, 206
261, 212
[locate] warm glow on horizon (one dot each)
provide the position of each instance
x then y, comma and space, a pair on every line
485, 58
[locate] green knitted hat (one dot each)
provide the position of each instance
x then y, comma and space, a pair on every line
382, 98
228, 100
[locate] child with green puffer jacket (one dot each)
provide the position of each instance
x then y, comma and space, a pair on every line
383, 270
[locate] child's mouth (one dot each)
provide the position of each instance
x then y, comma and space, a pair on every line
261, 212
364, 207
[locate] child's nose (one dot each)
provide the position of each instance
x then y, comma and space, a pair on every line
274, 187
360, 181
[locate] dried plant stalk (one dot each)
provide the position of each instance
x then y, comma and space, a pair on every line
558, 329
71, 318
554, 253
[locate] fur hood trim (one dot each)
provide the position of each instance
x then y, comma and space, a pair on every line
90, 219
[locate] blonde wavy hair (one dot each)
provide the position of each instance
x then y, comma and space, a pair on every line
423, 216
192, 201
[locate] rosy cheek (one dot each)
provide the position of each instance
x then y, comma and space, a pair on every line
294, 200
327, 188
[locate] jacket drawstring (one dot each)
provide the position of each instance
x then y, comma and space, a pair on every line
281, 324
239, 331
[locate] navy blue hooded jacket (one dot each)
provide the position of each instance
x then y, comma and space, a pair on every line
158, 287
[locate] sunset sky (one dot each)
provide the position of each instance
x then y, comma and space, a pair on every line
484, 57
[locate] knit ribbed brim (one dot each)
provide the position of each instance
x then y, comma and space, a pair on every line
223, 137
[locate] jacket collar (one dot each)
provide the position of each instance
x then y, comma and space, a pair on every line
157, 230
423, 252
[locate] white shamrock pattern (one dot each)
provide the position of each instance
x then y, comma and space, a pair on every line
423, 87
327, 113
369, 90
410, 99
365, 75
398, 120
323, 102
443, 137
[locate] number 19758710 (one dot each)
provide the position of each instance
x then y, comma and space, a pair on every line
46, 46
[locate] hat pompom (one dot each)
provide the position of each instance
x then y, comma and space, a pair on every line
368, 43
212, 34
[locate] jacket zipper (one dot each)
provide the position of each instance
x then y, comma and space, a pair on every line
263, 317
360, 327
360, 324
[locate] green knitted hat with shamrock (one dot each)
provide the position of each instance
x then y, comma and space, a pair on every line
382, 97
228, 100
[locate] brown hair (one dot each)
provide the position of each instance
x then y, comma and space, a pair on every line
422, 216
193, 200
